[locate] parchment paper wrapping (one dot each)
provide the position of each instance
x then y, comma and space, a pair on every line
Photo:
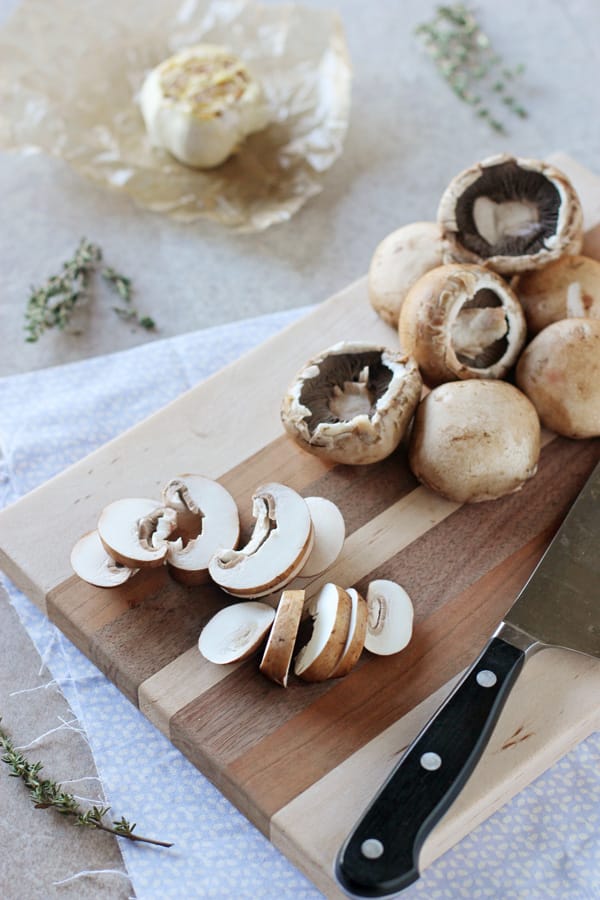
70, 73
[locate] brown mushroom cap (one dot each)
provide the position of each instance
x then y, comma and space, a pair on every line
510, 214
400, 260
560, 373
475, 440
462, 321
568, 288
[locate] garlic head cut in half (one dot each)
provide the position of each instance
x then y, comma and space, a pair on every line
352, 404
200, 105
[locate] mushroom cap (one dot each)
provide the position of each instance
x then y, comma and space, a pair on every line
201, 103
475, 440
279, 547
277, 656
357, 631
331, 611
92, 563
462, 321
559, 371
568, 288
119, 531
510, 214
352, 404
399, 260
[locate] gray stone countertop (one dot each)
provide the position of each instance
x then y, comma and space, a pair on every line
408, 136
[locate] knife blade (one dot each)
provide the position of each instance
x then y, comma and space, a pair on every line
559, 606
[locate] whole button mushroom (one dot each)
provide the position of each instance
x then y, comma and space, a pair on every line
475, 440
462, 321
568, 288
400, 260
510, 214
560, 373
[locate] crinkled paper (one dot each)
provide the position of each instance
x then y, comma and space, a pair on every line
70, 75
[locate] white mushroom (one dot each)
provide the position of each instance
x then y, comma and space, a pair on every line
329, 531
277, 657
400, 260
475, 440
278, 549
462, 321
352, 404
560, 373
331, 611
92, 563
201, 103
357, 633
134, 531
568, 288
510, 214
207, 519
390, 619
235, 632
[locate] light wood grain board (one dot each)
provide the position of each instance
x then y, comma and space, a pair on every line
301, 763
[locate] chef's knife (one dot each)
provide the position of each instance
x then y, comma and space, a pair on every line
558, 607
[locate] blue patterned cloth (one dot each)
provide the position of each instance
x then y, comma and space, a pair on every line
543, 844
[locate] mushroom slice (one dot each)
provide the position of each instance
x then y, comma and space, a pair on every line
390, 619
560, 373
277, 657
462, 321
329, 534
510, 214
352, 404
566, 289
400, 260
475, 440
331, 611
92, 563
235, 632
207, 519
357, 633
134, 531
279, 547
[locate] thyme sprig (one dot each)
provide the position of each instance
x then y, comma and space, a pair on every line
47, 794
52, 305
464, 56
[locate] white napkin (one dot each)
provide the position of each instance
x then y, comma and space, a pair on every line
544, 843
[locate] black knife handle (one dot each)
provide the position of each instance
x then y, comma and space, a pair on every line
380, 857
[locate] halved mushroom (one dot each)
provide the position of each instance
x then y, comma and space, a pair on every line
235, 632
331, 611
475, 440
92, 563
462, 321
207, 519
510, 214
560, 373
568, 288
278, 549
352, 404
390, 619
400, 260
329, 531
357, 633
277, 658
135, 531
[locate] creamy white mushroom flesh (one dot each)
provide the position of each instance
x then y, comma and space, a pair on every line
352, 404
390, 618
278, 548
568, 288
329, 534
135, 531
235, 632
200, 105
277, 656
357, 632
475, 440
510, 214
92, 563
331, 611
207, 519
559, 371
462, 321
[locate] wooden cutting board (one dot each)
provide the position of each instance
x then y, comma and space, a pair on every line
302, 763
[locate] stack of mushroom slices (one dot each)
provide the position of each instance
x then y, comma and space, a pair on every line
343, 624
